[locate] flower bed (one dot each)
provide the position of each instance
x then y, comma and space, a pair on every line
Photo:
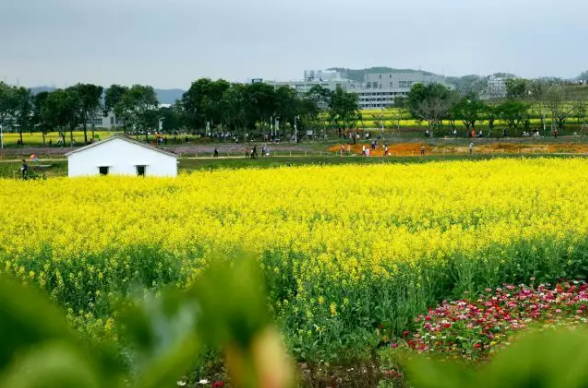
475, 329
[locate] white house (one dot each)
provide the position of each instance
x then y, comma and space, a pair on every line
119, 155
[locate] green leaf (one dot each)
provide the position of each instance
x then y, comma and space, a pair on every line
52, 365
27, 320
163, 337
428, 373
550, 360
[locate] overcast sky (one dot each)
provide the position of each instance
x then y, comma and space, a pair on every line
170, 43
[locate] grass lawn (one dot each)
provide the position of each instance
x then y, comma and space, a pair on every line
10, 169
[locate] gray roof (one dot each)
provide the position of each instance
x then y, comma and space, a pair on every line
125, 138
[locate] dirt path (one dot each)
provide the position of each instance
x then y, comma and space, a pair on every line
414, 149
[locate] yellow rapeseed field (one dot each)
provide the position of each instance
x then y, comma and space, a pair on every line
358, 245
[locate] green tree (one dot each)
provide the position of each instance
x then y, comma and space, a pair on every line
580, 106
60, 111
517, 88
138, 107
344, 108
287, 106
23, 111
560, 105
234, 108
39, 101
491, 113
431, 103
469, 109
320, 98
514, 112
203, 102
89, 105
398, 110
112, 99
7, 102
170, 119
260, 101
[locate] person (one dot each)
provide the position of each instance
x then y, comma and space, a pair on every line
50, 142
481, 134
24, 169
423, 150
555, 133
455, 133
505, 133
471, 148
341, 149
254, 152
386, 153
363, 150
374, 145
215, 152
263, 151
348, 149
367, 152
34, 158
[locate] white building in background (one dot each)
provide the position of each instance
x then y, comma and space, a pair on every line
495, 88
322, 75
111, 122
119, 155
380, 89
377, 91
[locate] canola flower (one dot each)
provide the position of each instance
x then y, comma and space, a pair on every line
344, 248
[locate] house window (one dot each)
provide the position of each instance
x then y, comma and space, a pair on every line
141, 170
103, 170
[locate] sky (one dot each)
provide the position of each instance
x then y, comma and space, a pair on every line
171, 43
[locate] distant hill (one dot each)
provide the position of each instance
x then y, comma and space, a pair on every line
359, 74
164, 96
39, 89
169, 96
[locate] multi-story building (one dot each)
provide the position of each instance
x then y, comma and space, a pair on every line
495, 88
322, 75
304, 86
381, 89
377, 91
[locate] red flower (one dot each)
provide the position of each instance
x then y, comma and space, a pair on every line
218, 384
476, 346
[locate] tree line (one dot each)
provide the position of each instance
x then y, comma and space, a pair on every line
211, 108
237, 111
554, 104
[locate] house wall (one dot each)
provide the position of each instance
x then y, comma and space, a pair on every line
122, 158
